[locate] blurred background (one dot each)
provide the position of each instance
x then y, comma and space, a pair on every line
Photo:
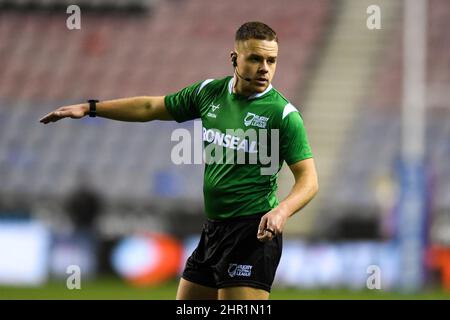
104, 195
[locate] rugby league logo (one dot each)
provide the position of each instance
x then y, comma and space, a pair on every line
242, 270
252, 119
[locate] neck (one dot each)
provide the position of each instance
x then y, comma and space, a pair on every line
239, 87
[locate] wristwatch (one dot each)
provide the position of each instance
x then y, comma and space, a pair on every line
92, 108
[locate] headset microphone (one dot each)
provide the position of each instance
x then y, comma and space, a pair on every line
234, 59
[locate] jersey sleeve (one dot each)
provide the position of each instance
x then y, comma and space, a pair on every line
183, 105
294, 145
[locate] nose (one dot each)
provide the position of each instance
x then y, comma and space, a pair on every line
264, 67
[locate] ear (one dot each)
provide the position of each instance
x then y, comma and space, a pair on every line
233, 56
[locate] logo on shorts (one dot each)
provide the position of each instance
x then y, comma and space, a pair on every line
243, 270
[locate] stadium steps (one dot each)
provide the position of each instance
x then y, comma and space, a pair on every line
342, 78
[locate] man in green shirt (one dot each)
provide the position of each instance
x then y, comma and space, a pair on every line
244, 119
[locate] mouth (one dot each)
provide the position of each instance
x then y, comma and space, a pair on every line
262, 81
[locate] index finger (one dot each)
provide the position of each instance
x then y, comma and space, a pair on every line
45, 118
51, 117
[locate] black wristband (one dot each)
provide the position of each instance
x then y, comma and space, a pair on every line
92, 107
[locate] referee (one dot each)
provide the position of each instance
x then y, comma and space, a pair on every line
241, 241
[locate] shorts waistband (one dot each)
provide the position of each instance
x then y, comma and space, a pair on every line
256, 216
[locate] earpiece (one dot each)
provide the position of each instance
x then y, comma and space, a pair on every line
234, 61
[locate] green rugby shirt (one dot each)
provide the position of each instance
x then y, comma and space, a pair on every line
234, 124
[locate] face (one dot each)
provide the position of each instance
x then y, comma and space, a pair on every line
257, 60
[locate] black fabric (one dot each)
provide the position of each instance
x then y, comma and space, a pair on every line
229, 254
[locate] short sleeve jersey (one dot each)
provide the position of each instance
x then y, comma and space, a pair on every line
245, 140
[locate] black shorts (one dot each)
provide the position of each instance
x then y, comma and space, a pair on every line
229, 254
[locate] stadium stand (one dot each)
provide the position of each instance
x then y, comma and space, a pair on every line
375, 161
45, 65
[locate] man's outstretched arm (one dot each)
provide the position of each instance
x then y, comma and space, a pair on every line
136, 109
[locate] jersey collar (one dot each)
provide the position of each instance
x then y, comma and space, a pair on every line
253, 96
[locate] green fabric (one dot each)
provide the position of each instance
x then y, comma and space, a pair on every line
240, 189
